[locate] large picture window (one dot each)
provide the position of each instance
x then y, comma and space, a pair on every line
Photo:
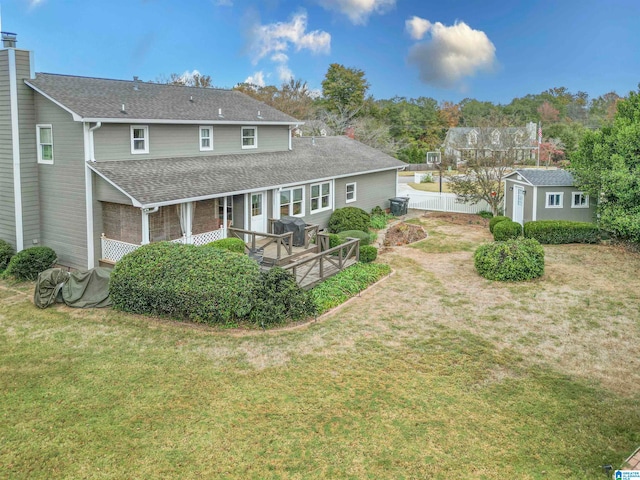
292, 202
249, 137
139, 139
320, 197
44, 139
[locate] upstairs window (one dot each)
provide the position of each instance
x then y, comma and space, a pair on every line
44, 139
320, 197
139, 139
495, 137
206, 138
249, 137
554, 200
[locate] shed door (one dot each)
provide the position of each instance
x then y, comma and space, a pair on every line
518, 204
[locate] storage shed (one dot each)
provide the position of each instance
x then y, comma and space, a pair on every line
535, 194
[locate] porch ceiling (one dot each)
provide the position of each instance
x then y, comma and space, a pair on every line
160, 181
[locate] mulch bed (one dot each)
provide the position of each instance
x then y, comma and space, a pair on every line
459, 218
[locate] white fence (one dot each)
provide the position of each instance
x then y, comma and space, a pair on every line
444, 202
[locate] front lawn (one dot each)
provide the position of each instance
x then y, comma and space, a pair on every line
435, 373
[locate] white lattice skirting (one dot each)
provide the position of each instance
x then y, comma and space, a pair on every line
114, 250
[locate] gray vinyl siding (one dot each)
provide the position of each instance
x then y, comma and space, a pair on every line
566, 212
28, 158
373, 189
62, 187
7, 204
105, 192
238, 211
113, 141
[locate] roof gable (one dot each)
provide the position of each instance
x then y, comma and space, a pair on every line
544, 178
98, 99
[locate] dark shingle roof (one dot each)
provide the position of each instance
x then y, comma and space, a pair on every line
546, 178
102, 99
155, 181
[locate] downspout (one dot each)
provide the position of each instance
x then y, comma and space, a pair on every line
88, 188
145, 223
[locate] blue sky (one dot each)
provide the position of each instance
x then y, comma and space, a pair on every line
446, 49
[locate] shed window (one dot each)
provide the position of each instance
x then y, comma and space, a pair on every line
579, 200
554, 200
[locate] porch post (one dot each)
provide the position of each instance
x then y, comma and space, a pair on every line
224, 218
145, 226
188, 221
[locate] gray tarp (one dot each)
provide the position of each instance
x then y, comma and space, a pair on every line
85, 289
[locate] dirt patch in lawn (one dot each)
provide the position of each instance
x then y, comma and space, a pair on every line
403, 234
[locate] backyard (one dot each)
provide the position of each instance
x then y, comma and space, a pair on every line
434, 372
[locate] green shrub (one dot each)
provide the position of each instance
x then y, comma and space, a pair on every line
346, 284
378, 222
368, 253
348, 218
27, 264
207, 285
495, 220
506, 230
278, 298
562, 231
485, 214
377, 211
364, 237
231, 244
6, 252
335, 240
511, 261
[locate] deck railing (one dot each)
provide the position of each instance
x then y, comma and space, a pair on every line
283, 242
326, 263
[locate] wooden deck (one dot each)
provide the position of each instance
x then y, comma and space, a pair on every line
310, 264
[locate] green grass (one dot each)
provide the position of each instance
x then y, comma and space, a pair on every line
378, 390
431, 187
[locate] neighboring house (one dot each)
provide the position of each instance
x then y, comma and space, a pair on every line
533, 194
141, 162
466, 143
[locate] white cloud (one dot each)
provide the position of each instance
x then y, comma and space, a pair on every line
280, 36
452, 54
256, 79
35, 3
417, 27
284, 73
187, 76
280, 58
358, 11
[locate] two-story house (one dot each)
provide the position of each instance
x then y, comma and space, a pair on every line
95, 167
462, 144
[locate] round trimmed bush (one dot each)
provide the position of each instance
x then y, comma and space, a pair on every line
207, 285
6, 252
279, 298
368, 253
364, 237
232, 244
485, 214
506, 230
495, 220
28, 263
349, 218
510, 261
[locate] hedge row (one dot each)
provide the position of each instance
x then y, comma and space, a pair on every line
557, 232
205, 284
346, 284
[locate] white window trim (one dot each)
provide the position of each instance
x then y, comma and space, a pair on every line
255, 137
40, 159
573, 198
321, 209
146, 139
302, 203
546, 203
200, 138
346, 192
